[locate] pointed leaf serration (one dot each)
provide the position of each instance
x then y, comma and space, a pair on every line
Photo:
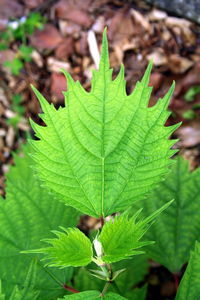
104, 149
70, 248
121, 237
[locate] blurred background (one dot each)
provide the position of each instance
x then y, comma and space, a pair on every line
39, 37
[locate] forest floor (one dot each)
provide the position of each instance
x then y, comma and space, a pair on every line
71, 32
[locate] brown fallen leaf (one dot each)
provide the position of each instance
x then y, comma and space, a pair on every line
11, 8
140, 19
179, 22
55, 65
189, 134
158, 56
65, 48
70, 11
156, 80
157, 15
69, 28
178, 64
6, 55
46, 39
99, 24
58, 85
37, 58
33, 3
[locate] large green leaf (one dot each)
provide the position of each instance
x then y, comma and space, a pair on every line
189, 288
28, 292
137, 294
121, 237
104, 150
178, 228
94, 295
70, 248
28, 214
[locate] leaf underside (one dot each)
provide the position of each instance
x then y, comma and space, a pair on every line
105, 149
28, 214
178, 228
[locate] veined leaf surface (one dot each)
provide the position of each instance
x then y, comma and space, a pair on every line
104, 149
28, 214
178, 228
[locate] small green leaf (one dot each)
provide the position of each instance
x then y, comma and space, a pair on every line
178, 228
25, 52
189, 288
189, 114
17, 104
15, 66
70, 248
192, 92
121, 237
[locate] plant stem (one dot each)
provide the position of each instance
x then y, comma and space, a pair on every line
105, 288
70, 289
102, 221
106, 272
176, 280
66, 287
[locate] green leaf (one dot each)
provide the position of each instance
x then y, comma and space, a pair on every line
113, 296
25, 52
191, 93
121, 237
137, 293
71, 248
92, 295
104, 150
28, 214
34, 20
189, 288
178, 228
17, 104
2, 296
15, 66
189, 114
28, 291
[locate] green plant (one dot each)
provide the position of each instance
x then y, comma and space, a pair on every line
99, 154
18, 31
190, 96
